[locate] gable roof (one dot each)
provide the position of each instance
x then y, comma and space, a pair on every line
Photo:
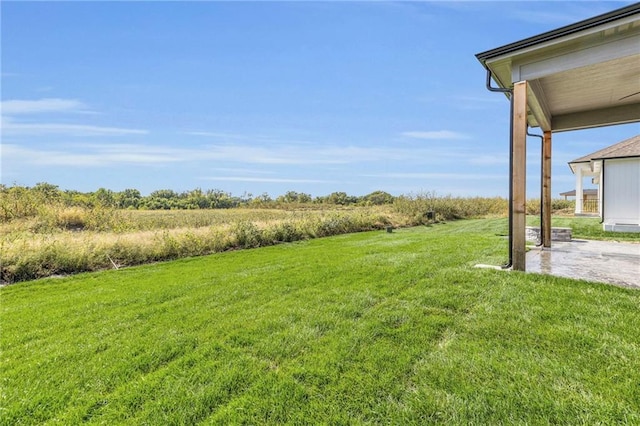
627, 148
587, 191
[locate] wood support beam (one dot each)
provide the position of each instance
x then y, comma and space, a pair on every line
518, 179
546, 189
537, 102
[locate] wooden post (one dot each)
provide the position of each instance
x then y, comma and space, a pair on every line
546, 189
518, 251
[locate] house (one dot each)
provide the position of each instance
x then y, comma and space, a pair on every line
587, 194
616, 171
589, 205
579, 76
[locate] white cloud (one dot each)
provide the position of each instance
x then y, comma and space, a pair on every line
216, 135
264, 180
95, 157
436, 135
11, 127
226, 155
449, 176
242, 171
490, 160
18, 106
304, 154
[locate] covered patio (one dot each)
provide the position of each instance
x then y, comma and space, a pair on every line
580, 76
611, 262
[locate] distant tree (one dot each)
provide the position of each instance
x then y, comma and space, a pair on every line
167, 194
71, 197
321, 199
219, 199
104, 197
129, 198
47, 191
378, 198
152, 203
196, 199
162, 199
294, 197
18, 202
262, 200
341, 198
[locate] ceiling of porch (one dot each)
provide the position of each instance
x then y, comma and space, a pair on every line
580, 76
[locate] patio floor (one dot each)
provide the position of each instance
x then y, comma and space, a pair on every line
600, 261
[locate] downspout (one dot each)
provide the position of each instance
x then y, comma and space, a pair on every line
510, 92
539, 242
602, 194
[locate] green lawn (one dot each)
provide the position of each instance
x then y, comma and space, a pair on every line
584, 227
370, 328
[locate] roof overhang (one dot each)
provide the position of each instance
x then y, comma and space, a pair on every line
586, 167
580, 76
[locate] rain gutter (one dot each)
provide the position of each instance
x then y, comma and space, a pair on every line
510, 95
540, 242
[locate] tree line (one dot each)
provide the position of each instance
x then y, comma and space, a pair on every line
166, 199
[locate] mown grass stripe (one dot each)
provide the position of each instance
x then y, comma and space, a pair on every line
367, 328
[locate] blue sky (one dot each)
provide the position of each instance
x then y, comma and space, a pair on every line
258, 97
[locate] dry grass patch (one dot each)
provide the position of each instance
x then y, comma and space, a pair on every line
30, 251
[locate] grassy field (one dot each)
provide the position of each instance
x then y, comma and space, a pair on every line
37, 247
66, 240
585, 227
368, 328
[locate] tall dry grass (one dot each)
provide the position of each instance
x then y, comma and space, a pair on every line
50, 238
448, 207
33, 253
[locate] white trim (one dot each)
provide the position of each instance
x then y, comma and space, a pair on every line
544, 45
619, 227
536, 67
579, 193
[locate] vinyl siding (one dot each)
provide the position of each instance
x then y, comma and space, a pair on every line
622, 191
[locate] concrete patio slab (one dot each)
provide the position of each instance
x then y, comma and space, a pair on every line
600, 261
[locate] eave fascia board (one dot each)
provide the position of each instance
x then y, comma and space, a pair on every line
579, 29
622, 157
584, 165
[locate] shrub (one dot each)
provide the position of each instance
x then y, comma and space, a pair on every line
416, 207
560, 204
286, 231
557, 206
247, 235
71, 218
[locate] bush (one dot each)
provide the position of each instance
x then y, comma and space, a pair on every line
71, 218
247, 235
557, 205
448, 207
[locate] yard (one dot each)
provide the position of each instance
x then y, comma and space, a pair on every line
375, 327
